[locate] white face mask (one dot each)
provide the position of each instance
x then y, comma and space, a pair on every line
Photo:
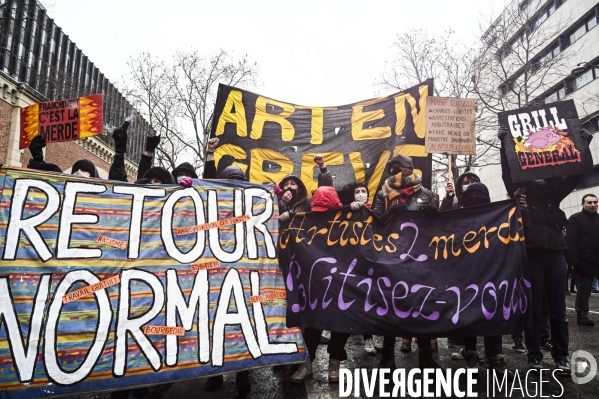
361, 197
464, 187
81, 173
181, 178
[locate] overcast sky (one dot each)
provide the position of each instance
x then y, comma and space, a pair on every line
309, 52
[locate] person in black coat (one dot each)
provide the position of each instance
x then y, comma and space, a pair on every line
462, 183
403, 191
545, 246
582, 237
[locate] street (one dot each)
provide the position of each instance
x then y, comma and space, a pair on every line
274, 384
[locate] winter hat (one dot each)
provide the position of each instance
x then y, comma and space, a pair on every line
185, 167
233, 172
402, 160
86, 166
161, 174
325, 198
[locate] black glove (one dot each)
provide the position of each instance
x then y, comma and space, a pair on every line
430, 210
120, 141
586, 135
151, 143
36, 148
501, 133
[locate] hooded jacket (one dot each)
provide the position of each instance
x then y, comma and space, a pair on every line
448, 202
86, 166
185, 167
325, 198
301, 202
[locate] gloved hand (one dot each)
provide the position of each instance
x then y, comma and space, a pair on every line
502, 132
430, 210
398, 208
283, 217
120, 141
355, 206
586, 135
36, 148
186, 182
151, 143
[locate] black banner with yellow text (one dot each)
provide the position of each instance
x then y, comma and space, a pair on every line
270, 139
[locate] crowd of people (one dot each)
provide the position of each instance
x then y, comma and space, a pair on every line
554, 245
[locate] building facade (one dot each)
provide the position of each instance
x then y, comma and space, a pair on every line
39, 62
563, 65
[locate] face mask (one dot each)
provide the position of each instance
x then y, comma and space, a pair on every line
81, 173
292, 191
181, 178
464, 187
361, 197
394, 171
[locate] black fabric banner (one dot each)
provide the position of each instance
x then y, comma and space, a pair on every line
270, 139
457, 273
545, 142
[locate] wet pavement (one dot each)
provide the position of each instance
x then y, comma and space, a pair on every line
274, 383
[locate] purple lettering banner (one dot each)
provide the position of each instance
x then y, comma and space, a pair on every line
461, 272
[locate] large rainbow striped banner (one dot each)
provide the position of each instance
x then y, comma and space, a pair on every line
108, 285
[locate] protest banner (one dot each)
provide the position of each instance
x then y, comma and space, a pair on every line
62, 120
544, 141
458, 273
450, 126
79, 314
270, 139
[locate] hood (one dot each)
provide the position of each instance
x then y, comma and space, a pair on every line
185, 167
86, 166
161, 174
302, 193
460, 181
477, 192
144, 181
403, 160
233, 172
325, 198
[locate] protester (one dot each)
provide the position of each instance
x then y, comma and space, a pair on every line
295, 195
361, 195
145, 161
324, 198
82, 168
547, 267
478, 194
403, 191
463, 182
583, 250
242, 378
295, 199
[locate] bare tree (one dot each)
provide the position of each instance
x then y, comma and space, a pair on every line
177, 98
520, 58
420, 56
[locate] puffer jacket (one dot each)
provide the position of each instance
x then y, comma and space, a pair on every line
582, 237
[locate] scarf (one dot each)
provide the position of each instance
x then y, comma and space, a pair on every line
400, 187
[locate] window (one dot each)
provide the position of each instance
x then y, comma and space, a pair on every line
583, 28
556, 95
585, 78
